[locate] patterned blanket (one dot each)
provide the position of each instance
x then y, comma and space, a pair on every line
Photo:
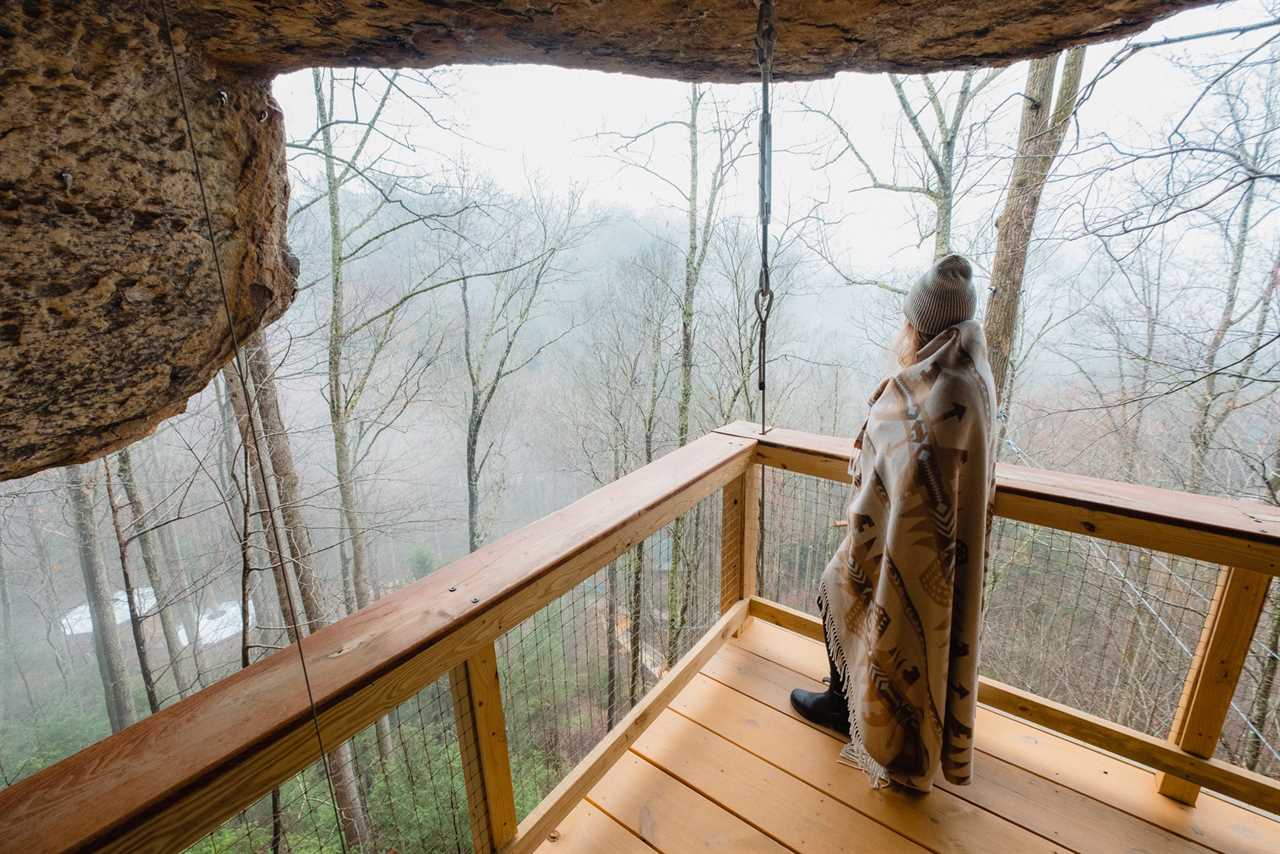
902, 598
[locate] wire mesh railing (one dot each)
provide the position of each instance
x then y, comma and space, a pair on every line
1251, 737
1103, 627
1107, 628
802, 529
400, 785
567, 674
571, 671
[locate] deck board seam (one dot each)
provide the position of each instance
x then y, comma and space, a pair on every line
1039, 729
820, 792
955, 794
958, 791
745, 749
609, 816
707, 795
1205, 793
1047, 732
613, 818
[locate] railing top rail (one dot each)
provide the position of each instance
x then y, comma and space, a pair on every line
169, 778
1222, 530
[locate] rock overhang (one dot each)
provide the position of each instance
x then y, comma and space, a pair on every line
111, 314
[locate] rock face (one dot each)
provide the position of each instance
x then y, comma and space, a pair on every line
111, 315
685, 39
112, 310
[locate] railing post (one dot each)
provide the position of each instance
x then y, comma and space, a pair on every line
739, 538
482, 738
1215, 670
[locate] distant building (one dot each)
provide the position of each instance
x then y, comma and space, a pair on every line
218, 623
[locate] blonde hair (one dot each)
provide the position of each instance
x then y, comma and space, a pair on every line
908, 343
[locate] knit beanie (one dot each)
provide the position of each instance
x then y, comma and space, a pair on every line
942, 297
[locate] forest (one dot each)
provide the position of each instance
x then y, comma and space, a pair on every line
519, 284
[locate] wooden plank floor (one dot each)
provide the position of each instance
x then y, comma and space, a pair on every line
729, 767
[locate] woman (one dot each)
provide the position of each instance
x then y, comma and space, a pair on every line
901, 600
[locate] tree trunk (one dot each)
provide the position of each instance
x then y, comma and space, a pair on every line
285, 476
97, 588
638, 564
61, 648
239, 405
474, 535
180, 578
130, 594
611, 643
11, 652
944, 205
13, 664
189, 610
691, 271
1204, 427
352, 817
1139, 634
241, 497
339, 414
351, 515
166, 604
611, 621
1260, 709
344, 568
1040, 134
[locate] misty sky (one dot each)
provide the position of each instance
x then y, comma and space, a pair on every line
513, 120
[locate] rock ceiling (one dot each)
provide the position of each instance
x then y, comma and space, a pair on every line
110, 312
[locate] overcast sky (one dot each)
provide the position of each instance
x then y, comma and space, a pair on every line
515, 120
544, 119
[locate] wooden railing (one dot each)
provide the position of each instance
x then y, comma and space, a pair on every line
166, 781
175, 776
1244, 537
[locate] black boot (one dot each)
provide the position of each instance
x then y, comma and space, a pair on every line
828, 708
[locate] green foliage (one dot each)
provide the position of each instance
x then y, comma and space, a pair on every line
554, 703
68, 721
417, 802
421, 562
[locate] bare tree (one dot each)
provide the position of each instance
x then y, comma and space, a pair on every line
1119, 358
1040, 134
287, 483
341, 762
942, 127
99, 595
730, 347
1217, 398
167, 602
1229, 55
620, 415
501, 310
12, 660
728, 135
131, 597
390, 210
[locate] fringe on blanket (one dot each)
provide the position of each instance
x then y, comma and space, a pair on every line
855, 752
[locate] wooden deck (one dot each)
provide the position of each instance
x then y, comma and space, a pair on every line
729, 767
711, 756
